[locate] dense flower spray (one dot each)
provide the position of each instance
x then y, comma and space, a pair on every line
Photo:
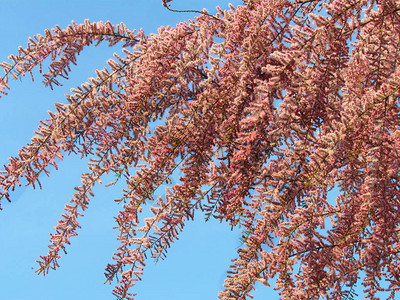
264, 109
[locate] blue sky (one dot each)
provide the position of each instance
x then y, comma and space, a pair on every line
196, 264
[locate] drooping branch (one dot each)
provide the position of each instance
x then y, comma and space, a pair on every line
265, 109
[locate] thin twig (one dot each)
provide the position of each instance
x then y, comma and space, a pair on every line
167, 6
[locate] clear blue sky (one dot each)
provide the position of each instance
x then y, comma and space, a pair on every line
196, 264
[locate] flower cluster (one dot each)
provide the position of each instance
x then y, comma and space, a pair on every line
264, 109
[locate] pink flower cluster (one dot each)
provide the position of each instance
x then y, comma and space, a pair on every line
264, 109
